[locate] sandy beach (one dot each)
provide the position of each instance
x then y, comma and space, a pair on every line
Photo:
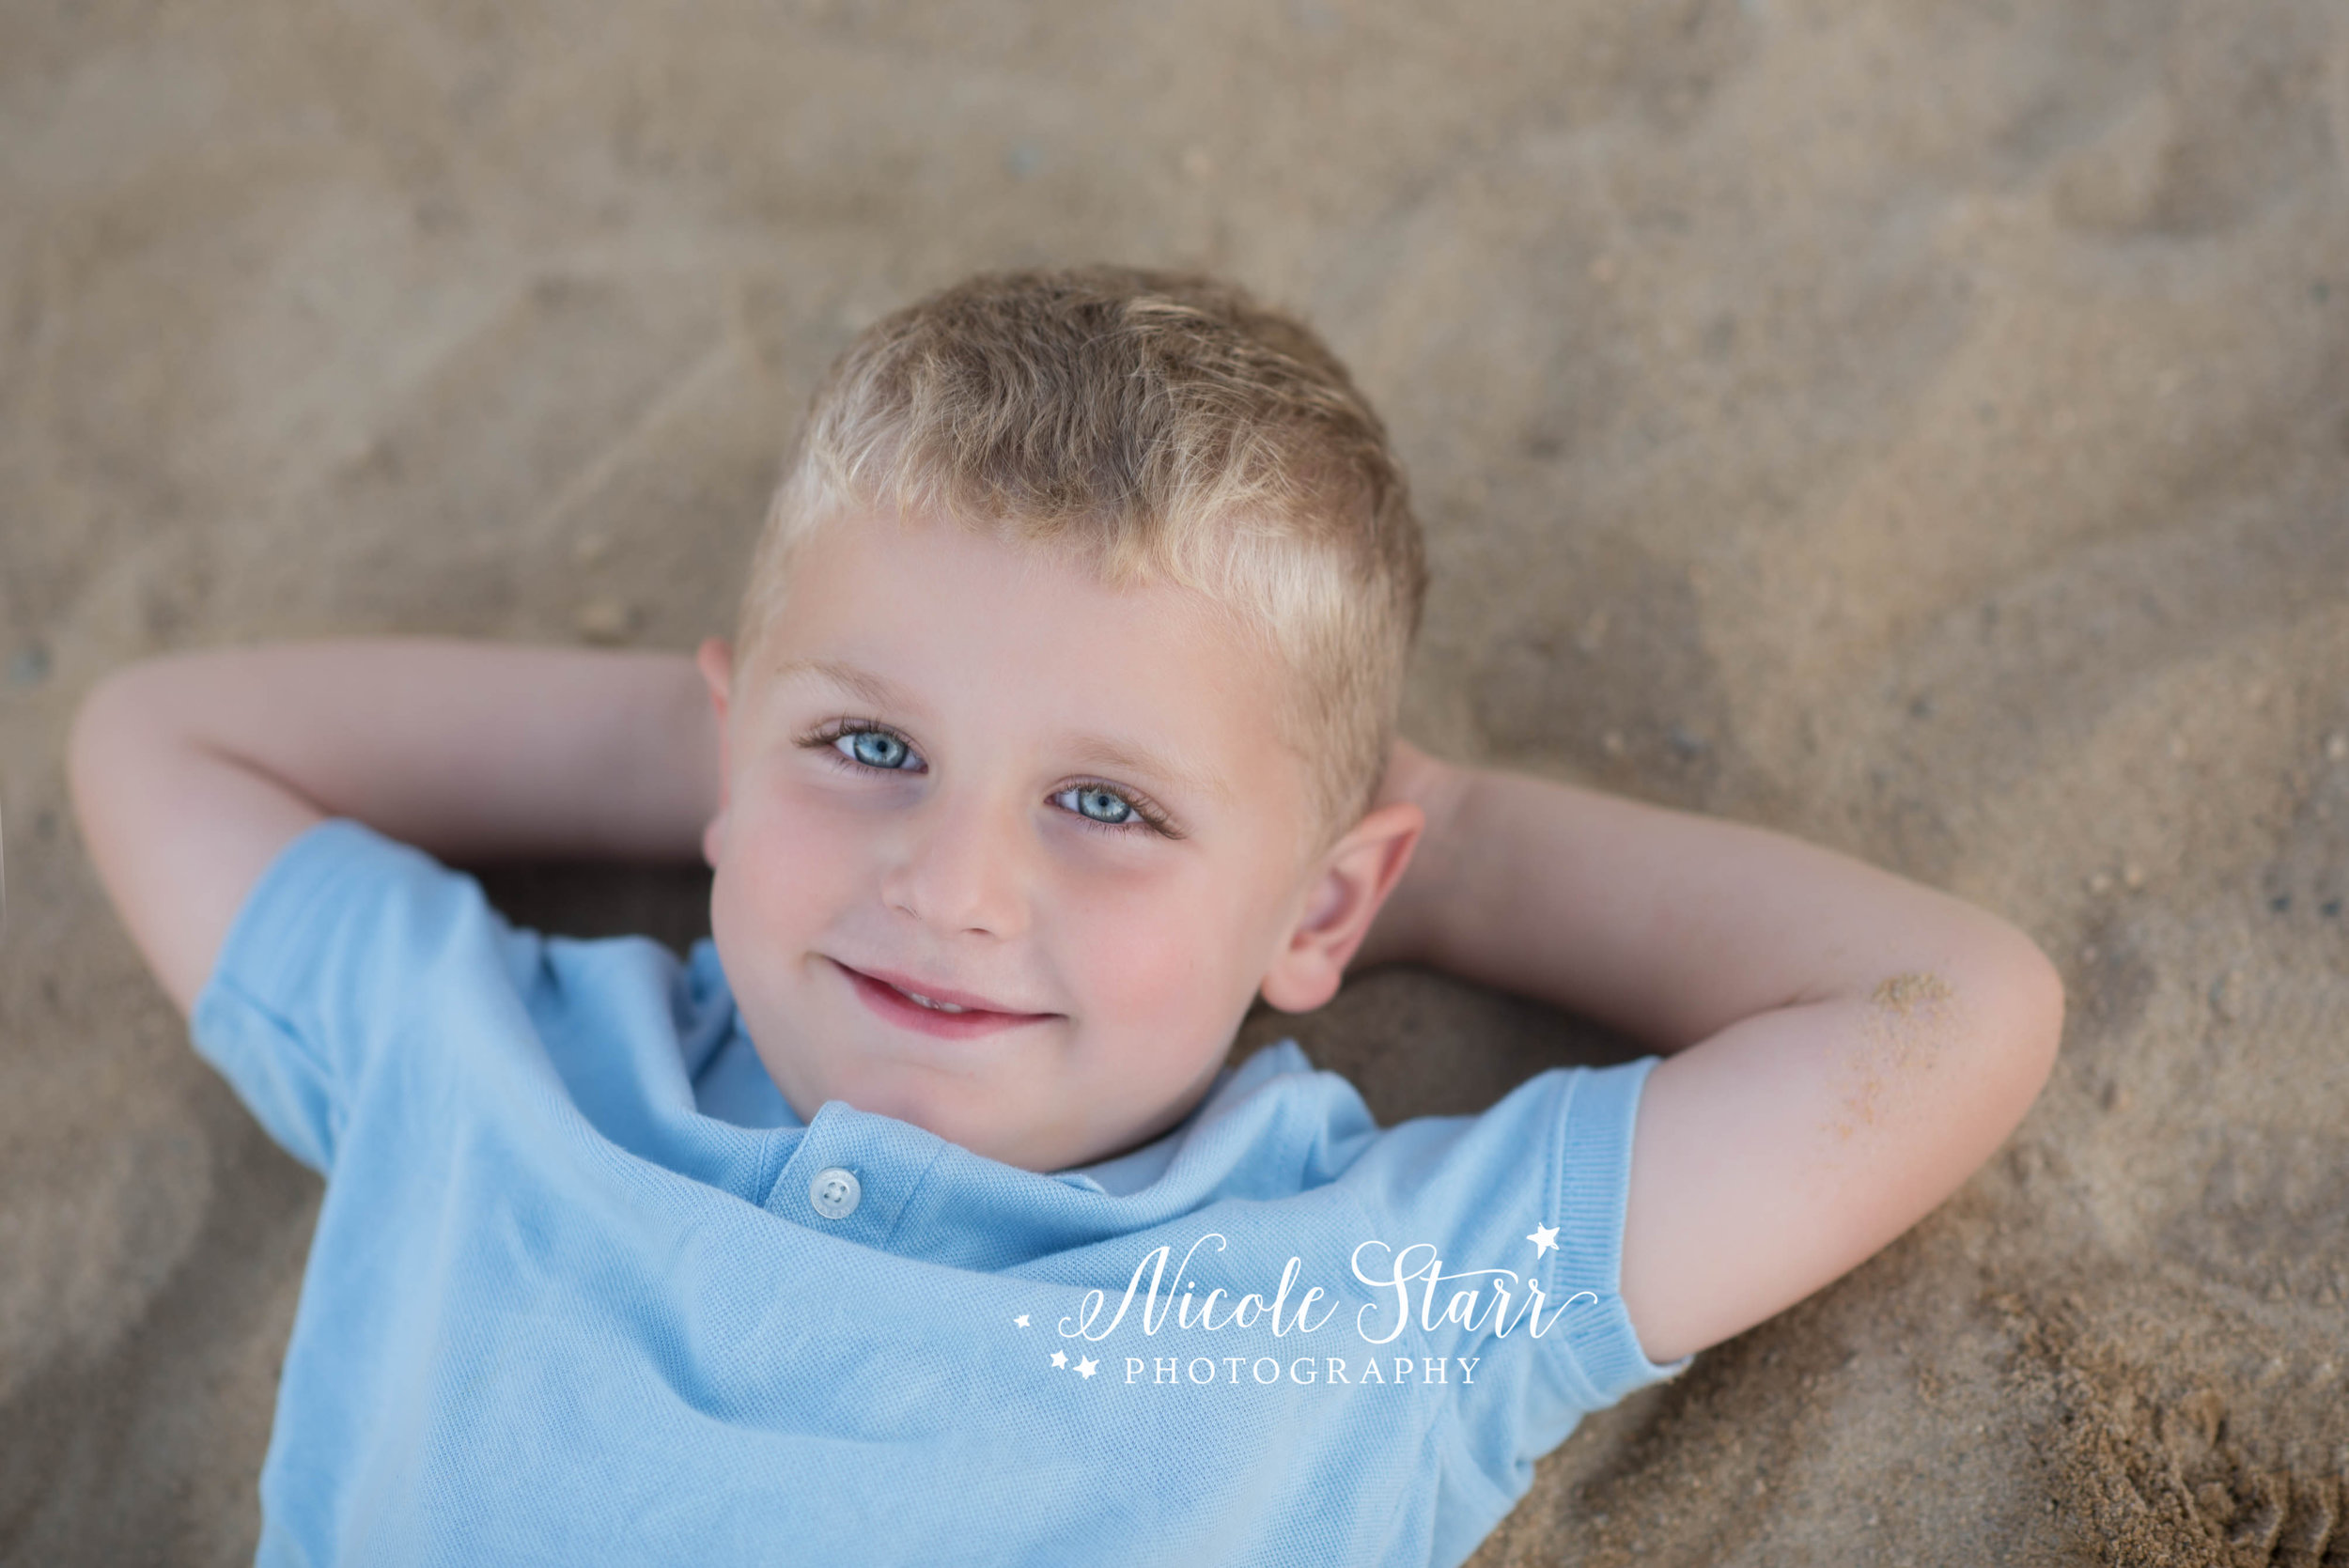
1920, 428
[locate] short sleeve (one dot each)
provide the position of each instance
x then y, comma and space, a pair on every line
1536, 1186
325, 964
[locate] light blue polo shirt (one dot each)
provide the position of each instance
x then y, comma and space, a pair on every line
584, 1290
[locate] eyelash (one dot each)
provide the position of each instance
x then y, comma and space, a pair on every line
1147, 818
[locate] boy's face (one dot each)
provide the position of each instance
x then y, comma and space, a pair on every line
942, 769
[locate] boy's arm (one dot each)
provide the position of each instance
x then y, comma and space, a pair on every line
1843, 1046
188, 773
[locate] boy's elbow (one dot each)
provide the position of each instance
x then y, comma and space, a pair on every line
96, 721
113, 714
2029, 1021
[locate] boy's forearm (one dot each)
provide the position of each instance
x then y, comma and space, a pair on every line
469, 750
1668, 925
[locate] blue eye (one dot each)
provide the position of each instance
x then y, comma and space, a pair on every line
876, 748
1102, 805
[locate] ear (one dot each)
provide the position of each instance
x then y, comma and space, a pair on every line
1355, 878
715, 659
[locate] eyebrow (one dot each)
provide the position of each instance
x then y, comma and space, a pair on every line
862, 683
1099, 751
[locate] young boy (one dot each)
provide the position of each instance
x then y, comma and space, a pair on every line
915, 1216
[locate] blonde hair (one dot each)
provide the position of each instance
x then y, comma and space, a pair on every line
1163, 427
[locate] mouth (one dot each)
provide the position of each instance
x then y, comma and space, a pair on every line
947, 1013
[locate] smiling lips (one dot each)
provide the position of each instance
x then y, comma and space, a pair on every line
950, 1015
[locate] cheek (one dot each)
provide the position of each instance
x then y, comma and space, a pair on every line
1154, 952
788, 864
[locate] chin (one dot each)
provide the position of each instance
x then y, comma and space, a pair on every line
932, 1107
957, 1126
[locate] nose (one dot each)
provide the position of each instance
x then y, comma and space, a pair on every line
961, 866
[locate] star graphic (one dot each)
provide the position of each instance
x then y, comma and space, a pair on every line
1021, 1321
1544, 1237
1087, 1367
1060, 1358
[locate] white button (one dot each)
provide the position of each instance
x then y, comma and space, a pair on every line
834, 1193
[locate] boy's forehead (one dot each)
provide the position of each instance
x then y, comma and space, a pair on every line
904, 613
1003, 601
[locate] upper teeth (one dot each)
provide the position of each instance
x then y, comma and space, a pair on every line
940, 1006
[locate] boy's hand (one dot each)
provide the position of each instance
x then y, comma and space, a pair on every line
190, 773
1844, 1046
